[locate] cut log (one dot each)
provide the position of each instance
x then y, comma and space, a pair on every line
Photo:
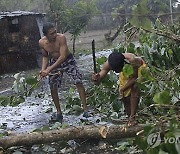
80, 132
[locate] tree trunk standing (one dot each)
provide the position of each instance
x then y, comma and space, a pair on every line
80, 132
110, 38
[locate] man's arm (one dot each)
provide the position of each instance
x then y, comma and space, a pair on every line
136, 63
97, 77
44, 60
133, 59
131, 81
63, 53
129, 84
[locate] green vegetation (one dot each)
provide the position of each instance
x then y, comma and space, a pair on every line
22, 88
160, 82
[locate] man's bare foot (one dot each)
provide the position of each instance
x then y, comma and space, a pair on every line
132, 122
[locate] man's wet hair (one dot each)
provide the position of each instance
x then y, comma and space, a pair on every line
46, 27
116, 61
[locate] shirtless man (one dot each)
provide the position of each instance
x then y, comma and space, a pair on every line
57, 59
128, 91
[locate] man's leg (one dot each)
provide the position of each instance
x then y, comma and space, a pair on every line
55, 97
55, 81
134, 101
73, 71
57, 117
127, 105
82, 95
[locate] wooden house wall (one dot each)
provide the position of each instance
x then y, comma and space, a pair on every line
30, 34
3, 35
18, 50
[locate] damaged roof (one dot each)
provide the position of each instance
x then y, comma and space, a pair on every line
18, 13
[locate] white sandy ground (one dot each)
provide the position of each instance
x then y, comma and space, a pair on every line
32, 114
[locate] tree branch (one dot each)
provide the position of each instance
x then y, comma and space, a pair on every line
80, 132
169, 35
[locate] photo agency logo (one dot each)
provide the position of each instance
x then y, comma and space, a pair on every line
155, 140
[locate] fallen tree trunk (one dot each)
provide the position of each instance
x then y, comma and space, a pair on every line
80, 132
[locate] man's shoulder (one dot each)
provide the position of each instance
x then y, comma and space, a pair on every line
60, 35
133, 59
42, 40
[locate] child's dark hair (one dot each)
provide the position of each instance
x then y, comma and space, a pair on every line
46, 27
116, 61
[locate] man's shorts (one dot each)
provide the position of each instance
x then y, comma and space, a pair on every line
69, 66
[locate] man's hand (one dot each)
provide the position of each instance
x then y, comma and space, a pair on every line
43, 73
121, 94
46, 72
40, 76
96, 78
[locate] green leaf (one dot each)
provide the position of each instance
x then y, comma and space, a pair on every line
121, 49
163, 97
122, 145
1, 135
16, 100
45, 128
64, 125
145, 72
4, 100
116, 105
113, 77
71, 90
141, 142
31, 80
153, 150
128, 70
57, 125
147, 129
77, 109
177, 147
131, 48
101, 60
178, 71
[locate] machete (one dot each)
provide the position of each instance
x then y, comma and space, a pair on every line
94, 56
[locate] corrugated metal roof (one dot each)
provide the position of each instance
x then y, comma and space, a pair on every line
18, 13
